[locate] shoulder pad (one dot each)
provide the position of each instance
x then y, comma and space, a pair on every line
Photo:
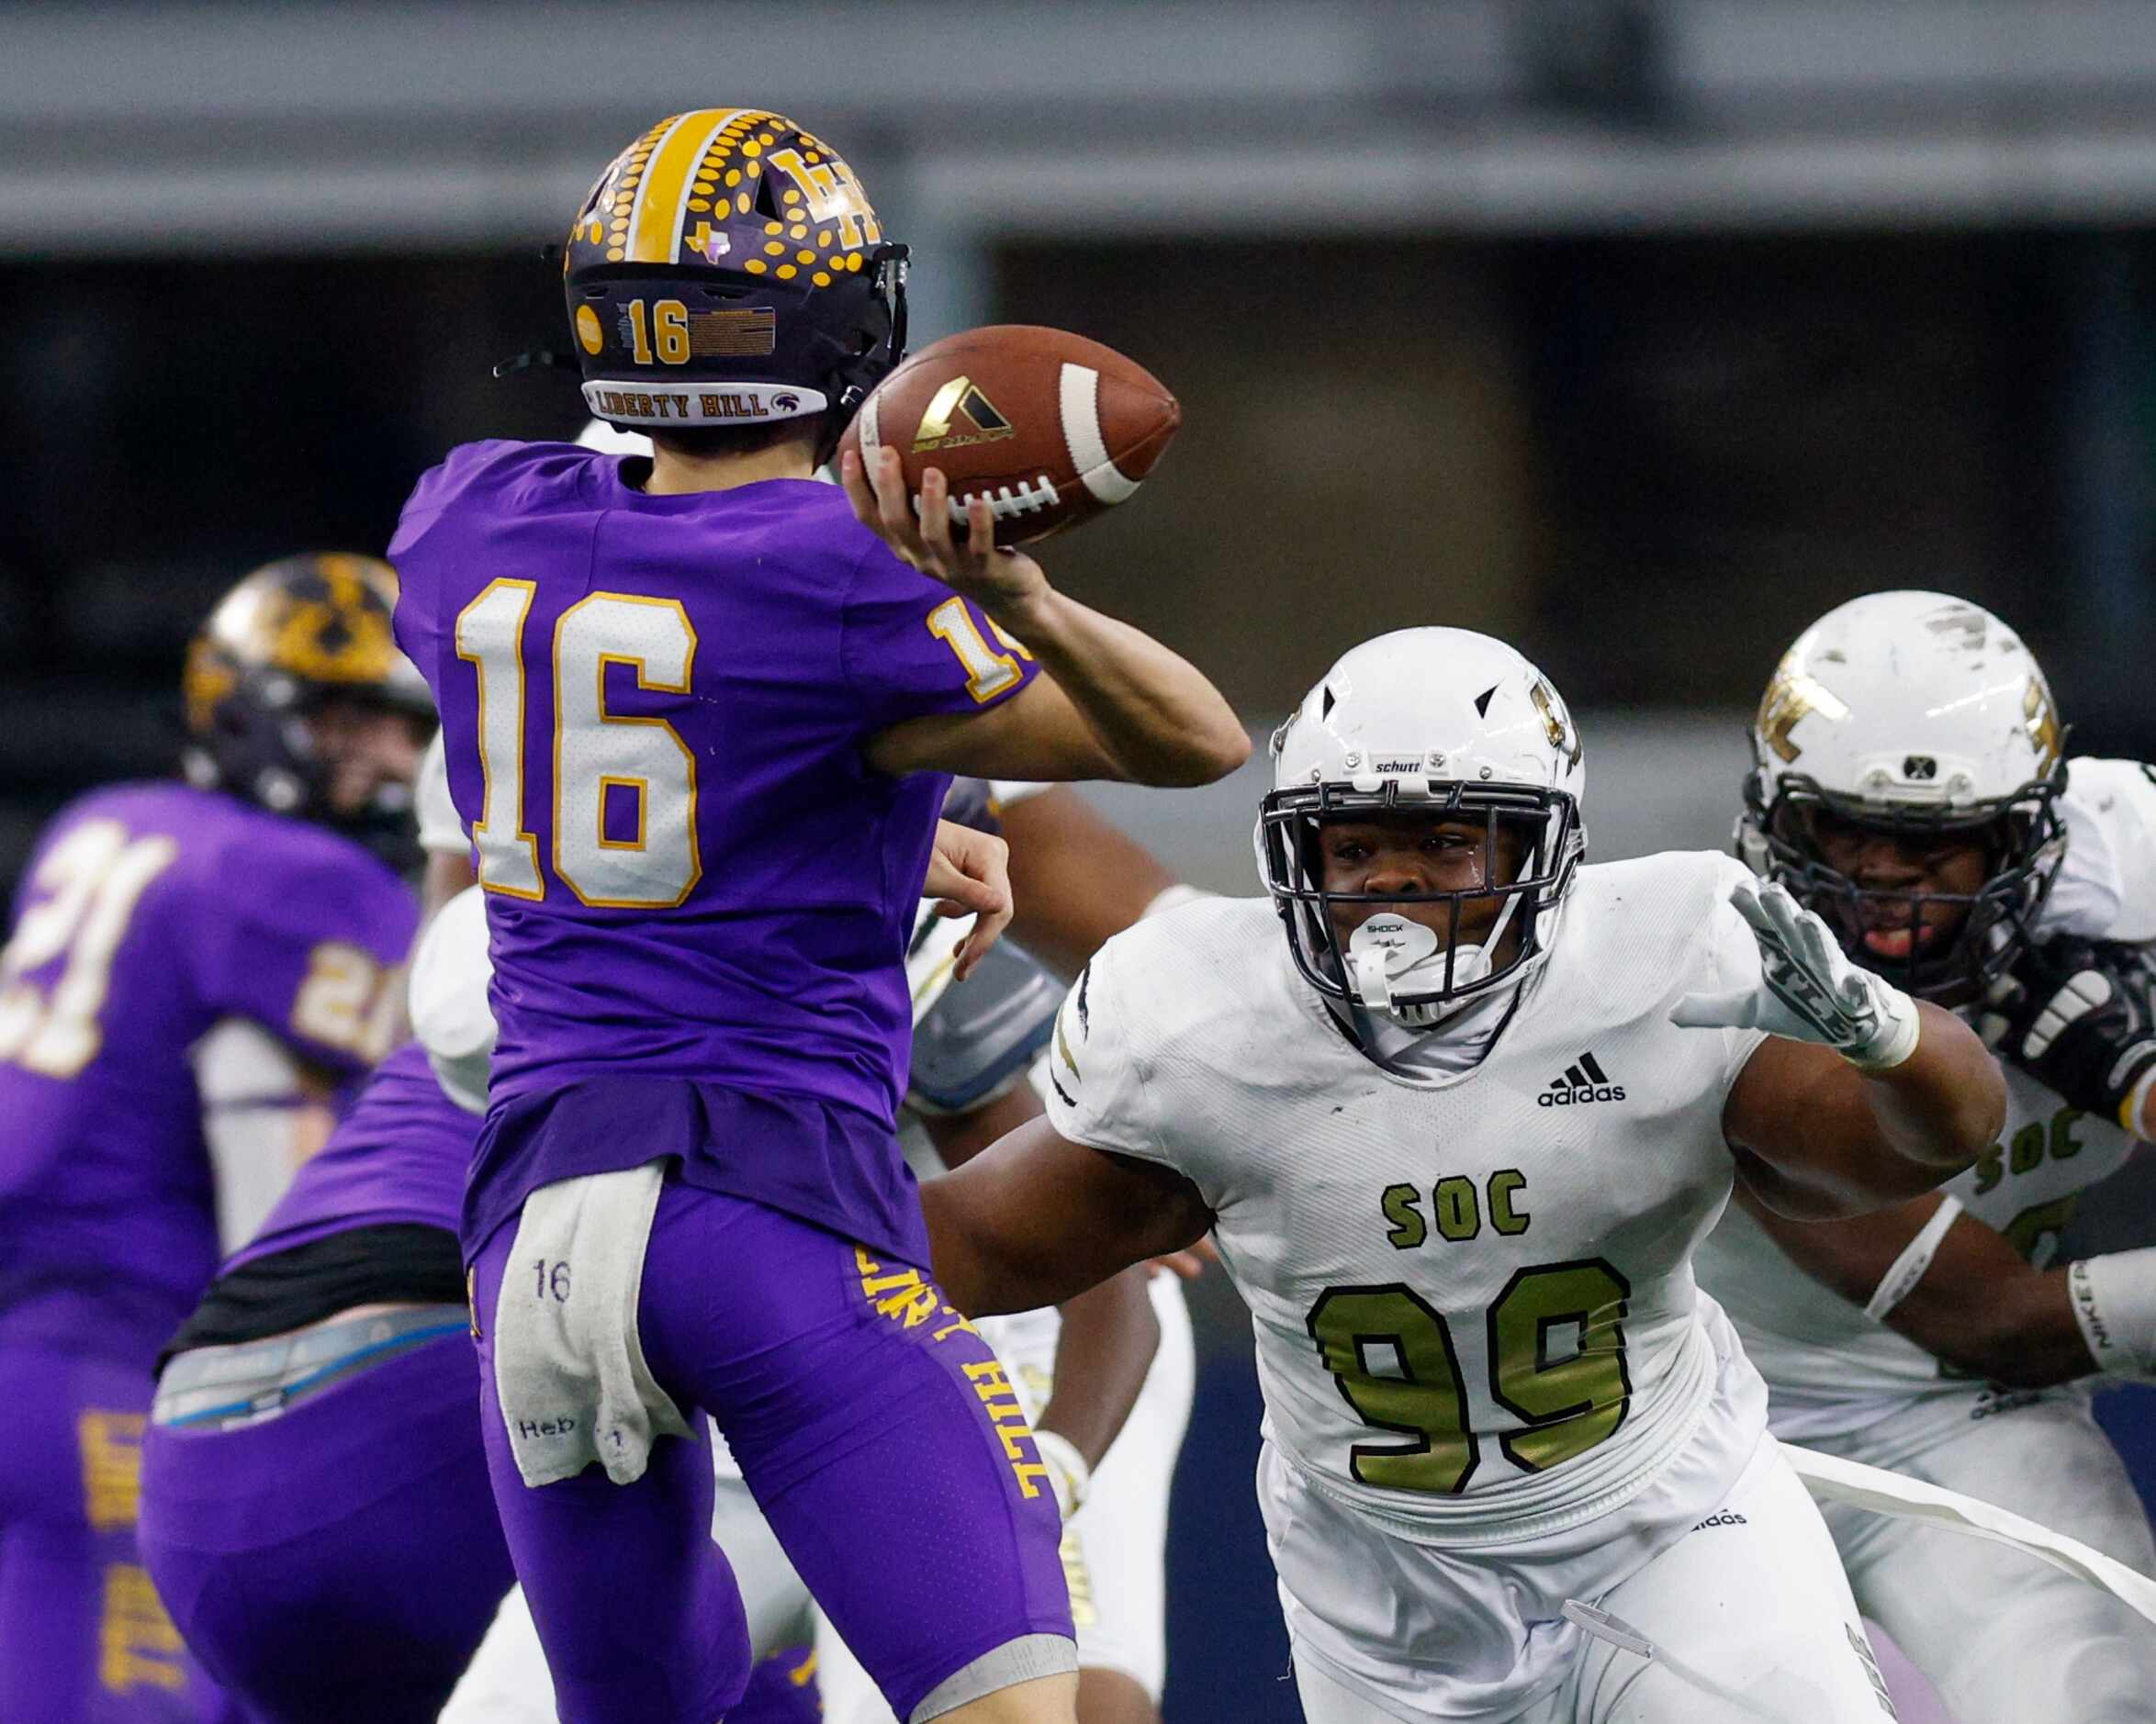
983, 1031
970, 802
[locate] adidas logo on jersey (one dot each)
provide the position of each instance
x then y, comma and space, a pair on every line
1581, 1083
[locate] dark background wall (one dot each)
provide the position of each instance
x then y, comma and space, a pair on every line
1648, 461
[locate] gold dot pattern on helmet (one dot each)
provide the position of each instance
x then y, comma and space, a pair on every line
588, 329
666, 199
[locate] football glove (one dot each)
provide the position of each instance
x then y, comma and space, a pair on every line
2076, 1016
1809, 991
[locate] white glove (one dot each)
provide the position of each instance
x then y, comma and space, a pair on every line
1809, 991
1068, 1475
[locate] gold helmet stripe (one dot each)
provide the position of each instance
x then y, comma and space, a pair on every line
662, 200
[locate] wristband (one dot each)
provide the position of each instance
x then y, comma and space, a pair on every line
1907, 1269
2114, 1300
1068, 1475
1894, 1040
2133, 1110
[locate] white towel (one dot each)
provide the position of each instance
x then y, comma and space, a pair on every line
1831, 1479
568, 1366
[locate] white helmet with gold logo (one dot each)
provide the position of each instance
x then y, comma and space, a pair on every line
1441, 721
1924, 716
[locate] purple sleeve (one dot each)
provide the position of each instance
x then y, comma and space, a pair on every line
911, 646
311, 952
414, 623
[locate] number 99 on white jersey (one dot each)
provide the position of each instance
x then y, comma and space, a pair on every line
1474, 1309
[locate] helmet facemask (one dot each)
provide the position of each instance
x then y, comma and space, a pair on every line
1980, 931
1395, 966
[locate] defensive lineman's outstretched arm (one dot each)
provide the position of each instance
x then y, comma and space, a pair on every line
2078, 1019
1109, 1334
1860, 1096
1979, 1305
1112, 702
1037, 1219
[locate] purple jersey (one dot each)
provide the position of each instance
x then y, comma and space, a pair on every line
654, 709
149, 913
398, 1155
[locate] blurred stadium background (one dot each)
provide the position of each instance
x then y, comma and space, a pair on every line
1637, 331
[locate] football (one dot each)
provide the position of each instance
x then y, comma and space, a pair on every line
1047, 426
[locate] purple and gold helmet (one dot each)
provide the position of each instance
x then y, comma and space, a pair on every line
294, 635
728, 270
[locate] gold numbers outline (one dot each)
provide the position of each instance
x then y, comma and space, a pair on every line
642, 786
97, 876
988, 672
497, 853
1569, 1404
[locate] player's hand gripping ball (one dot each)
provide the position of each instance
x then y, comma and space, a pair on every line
1045, 426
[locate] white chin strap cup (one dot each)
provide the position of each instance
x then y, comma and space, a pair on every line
1385, 946
1384, 954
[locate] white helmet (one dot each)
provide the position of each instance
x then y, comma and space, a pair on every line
1437, 720
1917, 713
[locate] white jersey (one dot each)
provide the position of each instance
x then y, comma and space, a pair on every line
1472, 1298
2106, 885
1832, 1370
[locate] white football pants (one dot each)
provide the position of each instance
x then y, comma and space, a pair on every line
2005, 1638
1749, 1617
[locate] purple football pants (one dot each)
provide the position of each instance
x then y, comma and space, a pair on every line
340, 1561
875, 1430
781, 1691
83, 1637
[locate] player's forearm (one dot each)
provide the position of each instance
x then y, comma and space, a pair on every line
1938, 1110
1078, 878
2019, 1331
984, 1268
1108, 1339
1154, 714
1831, 1140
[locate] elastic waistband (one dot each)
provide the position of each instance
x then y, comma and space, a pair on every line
224, 1386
